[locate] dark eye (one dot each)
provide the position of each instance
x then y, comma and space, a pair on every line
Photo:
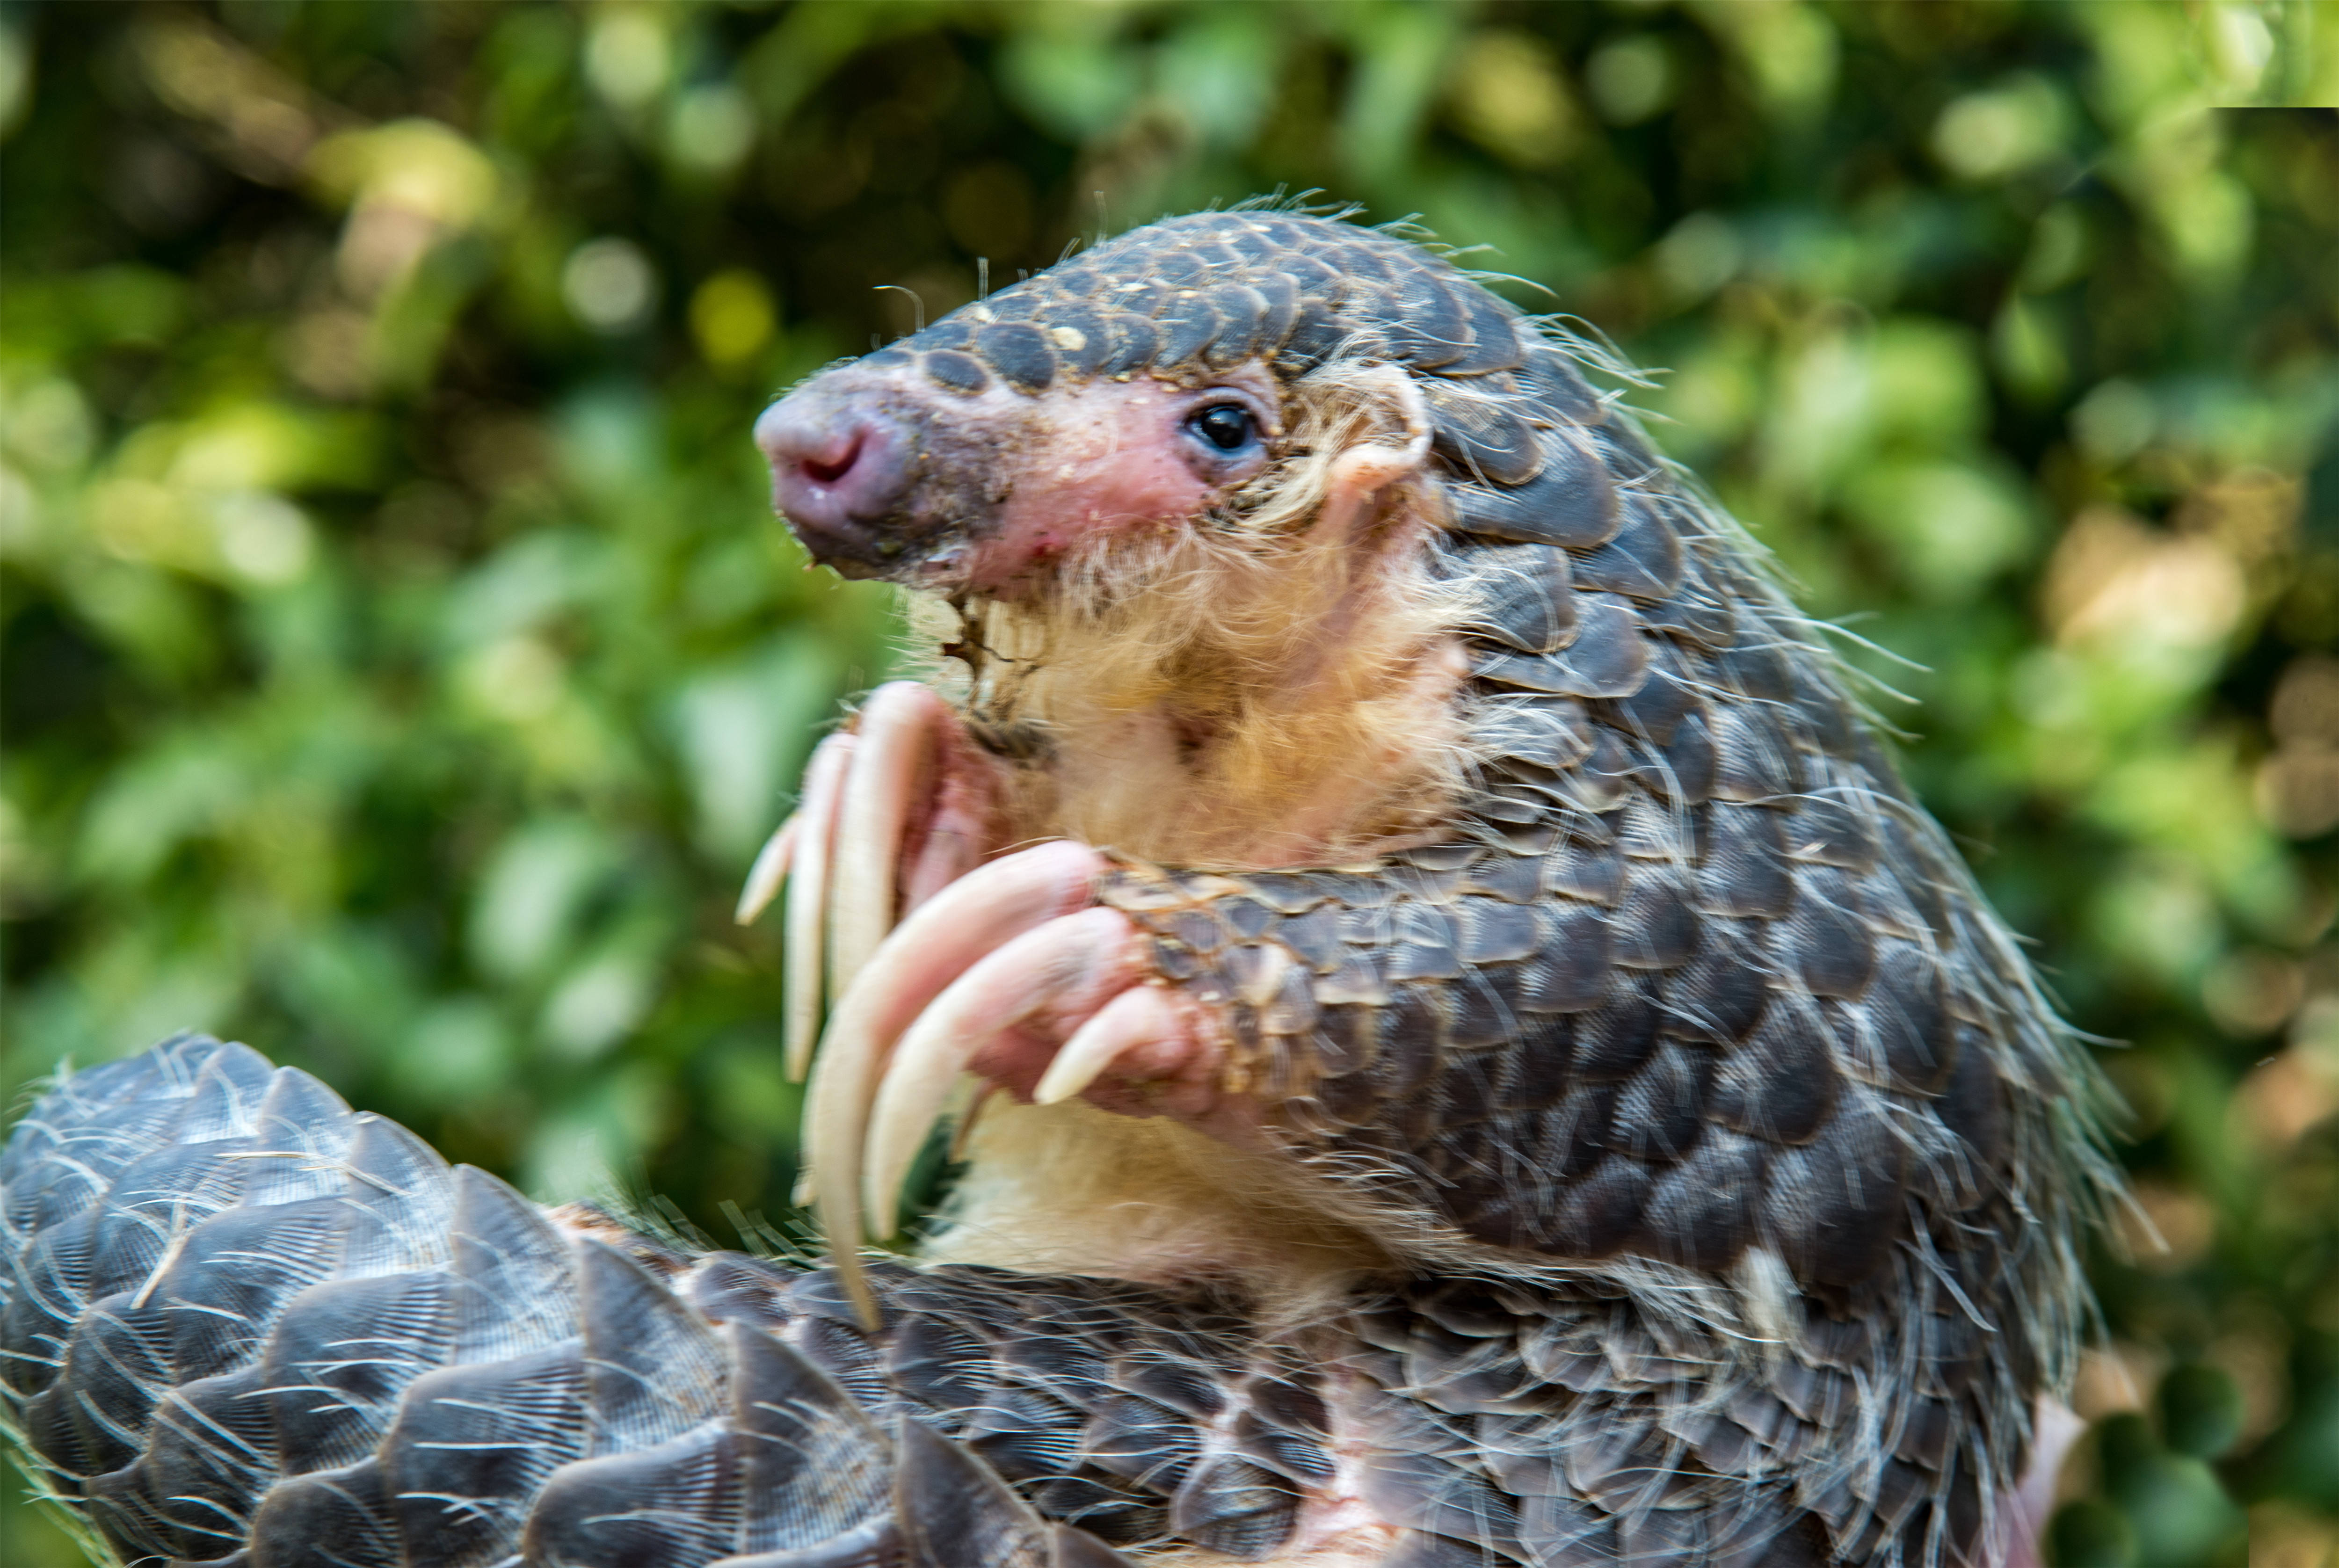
1226, 426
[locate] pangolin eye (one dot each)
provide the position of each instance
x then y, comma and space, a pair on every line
1226, 426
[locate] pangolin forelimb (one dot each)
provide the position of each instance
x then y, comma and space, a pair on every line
969, 918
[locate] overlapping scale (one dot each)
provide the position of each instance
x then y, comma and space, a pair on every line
1189, 297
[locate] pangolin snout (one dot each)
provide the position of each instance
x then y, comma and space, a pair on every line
841, 471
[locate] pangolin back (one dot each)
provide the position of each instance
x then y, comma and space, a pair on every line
1734, 1165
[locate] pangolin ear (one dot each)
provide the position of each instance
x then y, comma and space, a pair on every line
1379, 460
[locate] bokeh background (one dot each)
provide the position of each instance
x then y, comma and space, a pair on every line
401, 663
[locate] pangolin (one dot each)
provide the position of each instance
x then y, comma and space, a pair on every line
1497, 1069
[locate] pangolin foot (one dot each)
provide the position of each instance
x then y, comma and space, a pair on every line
1010, 973
894, 811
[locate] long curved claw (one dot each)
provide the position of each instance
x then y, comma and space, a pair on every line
894, 765
1138, 1024
947, 935
807, 917
1069, 969
770, 870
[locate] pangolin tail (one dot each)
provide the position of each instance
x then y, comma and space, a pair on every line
240, 1323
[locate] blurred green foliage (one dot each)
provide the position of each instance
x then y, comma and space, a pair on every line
401, 665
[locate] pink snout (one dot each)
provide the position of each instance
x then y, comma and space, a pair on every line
840, 470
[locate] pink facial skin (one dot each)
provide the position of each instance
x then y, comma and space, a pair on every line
883, 473
1113, 457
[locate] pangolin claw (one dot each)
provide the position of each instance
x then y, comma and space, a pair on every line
894, 762
938, 942
1140, 1017
1064, 970
807, 917
770, 870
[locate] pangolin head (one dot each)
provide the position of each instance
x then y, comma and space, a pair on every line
1144, 385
